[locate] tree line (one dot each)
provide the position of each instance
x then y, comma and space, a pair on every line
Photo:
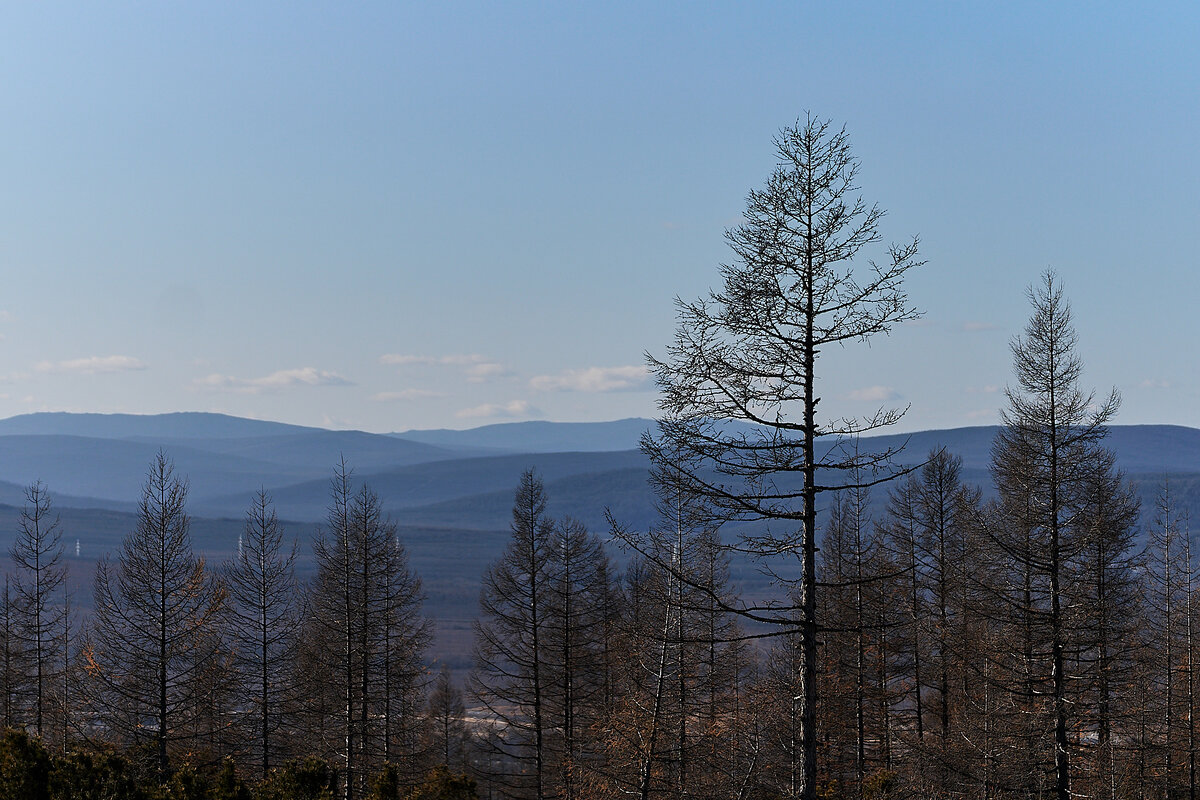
965, 647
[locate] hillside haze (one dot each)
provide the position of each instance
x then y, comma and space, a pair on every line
450, 492
454, 479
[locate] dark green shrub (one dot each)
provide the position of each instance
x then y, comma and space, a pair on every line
306, 779
385, 785
879, 784
228, 786
442, 784
24, 767
187, 784
94, 776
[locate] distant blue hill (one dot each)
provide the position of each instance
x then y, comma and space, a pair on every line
585, 497
218, 454
1155, 448
115, 469
1139, 448
451, 491
13, 494
184, 424
1172, 448
434, 482
540, 437
444, 478
318, 450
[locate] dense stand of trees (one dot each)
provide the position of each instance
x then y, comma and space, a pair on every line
937, 658
962, 652
182, 666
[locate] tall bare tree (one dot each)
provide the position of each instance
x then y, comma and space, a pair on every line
577, 593
902, 530
264, 628
1109, 615
37, 554
155, 610
739, 391
331, 616
1041, 461
447, 717
640, 727
932, 530
511, 677
404, 635
68, 675
365, 636
1166, 578
13, 674
844, 576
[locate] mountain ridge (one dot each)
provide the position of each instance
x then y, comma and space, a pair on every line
424, 481
180, 424
451, 498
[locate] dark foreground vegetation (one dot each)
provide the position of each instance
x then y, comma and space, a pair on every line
29, 772
1024, 647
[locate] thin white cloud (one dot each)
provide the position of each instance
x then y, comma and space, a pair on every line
401, 360
93, 365
514, 408
462, 359
874, 394
989, 414
594, 379
404, 395
478, 368
479, 373
406, 359
989, 389
276, 381
1155, 383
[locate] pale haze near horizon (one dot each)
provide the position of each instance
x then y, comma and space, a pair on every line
391, 216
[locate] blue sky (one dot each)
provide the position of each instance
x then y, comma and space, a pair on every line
390, 215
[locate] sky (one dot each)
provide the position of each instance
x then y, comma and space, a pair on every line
389, 216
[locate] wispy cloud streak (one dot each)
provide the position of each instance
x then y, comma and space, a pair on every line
275, 382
